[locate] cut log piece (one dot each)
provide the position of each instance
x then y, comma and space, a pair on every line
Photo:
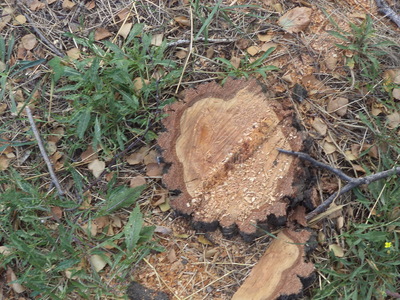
221, 146
281, 272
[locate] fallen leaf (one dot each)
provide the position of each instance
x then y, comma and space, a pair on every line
51, 147
123, 14
68, 4
74, 53
339, 222
393, 120
338, 106
243, 43
56, 134
89, 155
210, 253
319, 126
331, 61
6, 251
172, 255
349, 155
97, 262
329, 148
253, 50
137, 181
4, 162
36, 5
157, 39
182, 20
150, 157
266, 46
278, 7
235, 61
154, 170
101, 33
203, 240
125, 29
19, 20
396, 93
181, 53
29, 41
90, 5
6, 17
163, 230
11, 278
57, 212
210, 52
165, 206
139, 82
337, 250
138, 156
296, 19
265, 37
97, 167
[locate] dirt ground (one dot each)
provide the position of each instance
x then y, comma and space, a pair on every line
199, 265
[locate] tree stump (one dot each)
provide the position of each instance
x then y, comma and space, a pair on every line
221, 146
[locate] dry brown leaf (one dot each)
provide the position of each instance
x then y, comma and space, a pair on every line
265, 37
393, 120
337, 250
171, 256
339, 222
150, 157
90, 5
266, 46
56, 134
253, 50
338, 106
55, 157
235, 61
320, 126
123, 14
74, 53
19, 20
138, 156
373, 150
278, 7
182, 20
50, 1
157, 39
7, 12
90, 230
125, 29
36, 5
181, 53
97, 262
210, 52
4, 162
163, 230
349, 155
154, 169
392, 76
29, 41
68, 4
97, 167
6, 251
358, 168
137, 181
89, 155
376, 109
331, 61
243, 43
329, 148
139, 82
101, 33
396, 93
296, 19
17, 287
57, 212
203, 240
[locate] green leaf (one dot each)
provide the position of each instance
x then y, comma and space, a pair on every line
83, 123
133, 228
209, 19
135, 31
338, 35
121, 197
97, 133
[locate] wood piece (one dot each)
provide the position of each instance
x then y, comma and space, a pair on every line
221, 143
281, 271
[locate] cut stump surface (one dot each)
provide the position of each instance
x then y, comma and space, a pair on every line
221, 143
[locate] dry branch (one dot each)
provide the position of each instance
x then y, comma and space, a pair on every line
352, 182
386, 10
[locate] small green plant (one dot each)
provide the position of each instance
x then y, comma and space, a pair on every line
56, 257
247, 68
363, 52
113, 91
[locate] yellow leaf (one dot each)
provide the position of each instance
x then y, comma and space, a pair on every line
97, 167
202, 239
19, 20
97, 262
337, 250
253, 50
125, 29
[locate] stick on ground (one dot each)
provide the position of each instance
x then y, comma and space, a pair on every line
43, 151
352, 182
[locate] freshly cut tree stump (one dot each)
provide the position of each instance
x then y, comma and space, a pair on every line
281, 272
221, 146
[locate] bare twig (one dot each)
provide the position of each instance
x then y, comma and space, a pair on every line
43, 152
352, 182
386, 10
201, 39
